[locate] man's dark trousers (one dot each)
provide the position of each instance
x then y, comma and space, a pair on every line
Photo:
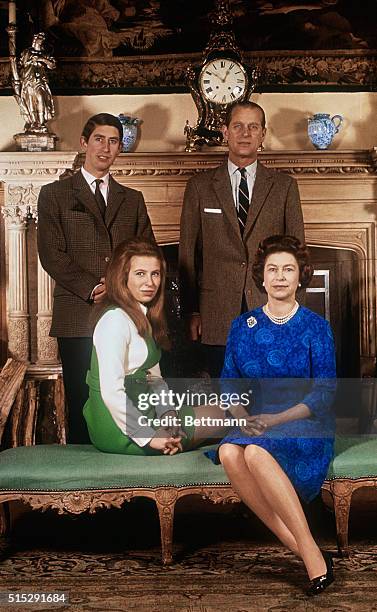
75, 354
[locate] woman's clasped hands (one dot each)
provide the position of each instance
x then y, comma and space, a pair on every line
256, 424
168, 445
168, 440
259, 423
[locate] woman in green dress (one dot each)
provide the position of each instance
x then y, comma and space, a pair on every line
124, 371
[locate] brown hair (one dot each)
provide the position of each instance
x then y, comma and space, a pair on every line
101, 119
118, 294
244, 104
282, 244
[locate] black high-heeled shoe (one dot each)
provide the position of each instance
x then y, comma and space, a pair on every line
319, 584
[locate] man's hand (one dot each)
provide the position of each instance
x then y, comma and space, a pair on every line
195, 326
99, 292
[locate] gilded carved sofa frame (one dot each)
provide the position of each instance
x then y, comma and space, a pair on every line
77, 502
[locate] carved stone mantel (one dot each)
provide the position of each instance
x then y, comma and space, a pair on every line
338, 192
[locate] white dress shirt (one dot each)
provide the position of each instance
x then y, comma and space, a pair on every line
91, 180
235, 179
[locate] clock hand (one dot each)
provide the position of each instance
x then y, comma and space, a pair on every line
219, 77
213, 74
225, 76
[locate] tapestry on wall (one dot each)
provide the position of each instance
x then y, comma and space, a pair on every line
146, 45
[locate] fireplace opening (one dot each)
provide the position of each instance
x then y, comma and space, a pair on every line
334, 294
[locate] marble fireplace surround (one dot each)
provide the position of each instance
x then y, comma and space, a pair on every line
339, 197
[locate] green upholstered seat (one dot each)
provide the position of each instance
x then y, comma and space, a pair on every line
80, 467
355, 457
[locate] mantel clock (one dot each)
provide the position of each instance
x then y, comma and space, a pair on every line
219, 80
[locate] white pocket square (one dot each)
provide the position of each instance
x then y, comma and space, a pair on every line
218, 211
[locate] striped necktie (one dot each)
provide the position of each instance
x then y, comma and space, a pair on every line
99, 197
243, 200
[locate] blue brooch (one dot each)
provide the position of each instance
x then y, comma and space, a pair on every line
251, 321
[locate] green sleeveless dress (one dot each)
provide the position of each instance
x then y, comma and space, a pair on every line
103, 430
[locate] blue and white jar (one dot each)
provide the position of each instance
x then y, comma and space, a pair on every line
322, 129
130, 129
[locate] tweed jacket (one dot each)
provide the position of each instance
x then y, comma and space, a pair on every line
215, 262
75, 244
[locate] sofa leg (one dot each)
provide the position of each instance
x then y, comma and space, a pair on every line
342, 494
4, 519
5, 539
165, 501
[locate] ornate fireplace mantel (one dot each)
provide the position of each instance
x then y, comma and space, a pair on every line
338, 192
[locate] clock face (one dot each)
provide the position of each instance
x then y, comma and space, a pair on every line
222, 81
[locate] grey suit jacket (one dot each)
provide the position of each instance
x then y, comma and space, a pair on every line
215, 262
75, 243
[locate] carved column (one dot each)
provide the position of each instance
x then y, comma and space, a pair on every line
20, 207
47, 348
23, 174
18, 316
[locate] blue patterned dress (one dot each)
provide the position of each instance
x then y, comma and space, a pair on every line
286, 365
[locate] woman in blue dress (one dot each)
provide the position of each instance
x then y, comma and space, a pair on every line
285, 448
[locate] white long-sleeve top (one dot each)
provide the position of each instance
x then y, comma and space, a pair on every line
121, 351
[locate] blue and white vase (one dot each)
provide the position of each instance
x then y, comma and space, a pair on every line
322, 129
130, 127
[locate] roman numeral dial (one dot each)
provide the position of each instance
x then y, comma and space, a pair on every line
222, 81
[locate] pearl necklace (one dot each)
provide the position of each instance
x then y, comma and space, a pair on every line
285, 318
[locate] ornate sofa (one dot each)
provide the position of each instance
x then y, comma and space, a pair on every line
75, 479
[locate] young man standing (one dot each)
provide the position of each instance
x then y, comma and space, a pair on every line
81, 220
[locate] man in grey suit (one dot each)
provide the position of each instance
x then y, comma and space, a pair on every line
226, 212
81, 219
